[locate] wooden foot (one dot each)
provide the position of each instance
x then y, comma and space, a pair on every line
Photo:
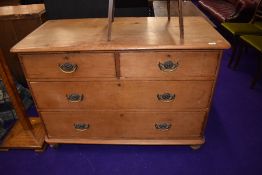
195, 147
238, 55
54, 145
41, 149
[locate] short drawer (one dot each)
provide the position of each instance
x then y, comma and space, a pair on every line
157, 95
71, 65
117, 125
169, 65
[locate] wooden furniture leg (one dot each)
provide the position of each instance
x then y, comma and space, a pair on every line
181, 21
14, 96
26, 133
114, 9
195, 147
168, 9
234, 51
110, 18
238, 54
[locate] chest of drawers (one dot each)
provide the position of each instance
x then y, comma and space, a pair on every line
146, 86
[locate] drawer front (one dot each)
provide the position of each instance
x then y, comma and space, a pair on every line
79, 65
157, 95
84, 125
166, 95
169, 65
88, 95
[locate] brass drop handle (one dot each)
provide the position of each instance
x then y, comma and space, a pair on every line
68, 68
75, 98
163, 126
81, 126
168, 66
166, 97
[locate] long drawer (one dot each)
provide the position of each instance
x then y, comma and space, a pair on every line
169, 65
156, 95
118, 125
71, 65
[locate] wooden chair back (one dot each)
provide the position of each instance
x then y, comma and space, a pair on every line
111, 11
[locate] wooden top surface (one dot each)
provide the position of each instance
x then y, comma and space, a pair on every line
21, 10
127, 34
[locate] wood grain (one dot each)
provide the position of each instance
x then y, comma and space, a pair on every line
88, 65
121, 125
11, 89
127, 34
18, 138
122, 95
117, 65
191, 64
26, 134
121, 98
178, 141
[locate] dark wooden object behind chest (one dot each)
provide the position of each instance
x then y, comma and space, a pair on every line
15, 23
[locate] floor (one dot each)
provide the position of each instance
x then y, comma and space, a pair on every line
233, 141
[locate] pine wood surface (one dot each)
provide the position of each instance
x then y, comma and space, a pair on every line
122, 95
88, 65
212, 92
25, 134
11, 89
177, 141
124, 104
18, 138
116, 125
127, 34
202, 64
191, 65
